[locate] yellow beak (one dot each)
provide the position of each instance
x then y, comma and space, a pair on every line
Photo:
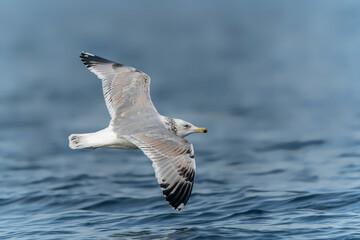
201, 130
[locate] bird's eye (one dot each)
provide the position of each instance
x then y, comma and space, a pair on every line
186, 125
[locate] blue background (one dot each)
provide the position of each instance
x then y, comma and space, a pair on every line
275, 82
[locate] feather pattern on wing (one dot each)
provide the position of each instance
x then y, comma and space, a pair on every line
174, 164
123, 86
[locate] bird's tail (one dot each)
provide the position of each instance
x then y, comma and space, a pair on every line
85, 140
102, 138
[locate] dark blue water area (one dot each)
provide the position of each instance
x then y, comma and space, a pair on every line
275, 82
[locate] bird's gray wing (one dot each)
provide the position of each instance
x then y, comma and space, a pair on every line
174, 164
124, 88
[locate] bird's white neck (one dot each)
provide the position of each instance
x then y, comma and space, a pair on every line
169, 123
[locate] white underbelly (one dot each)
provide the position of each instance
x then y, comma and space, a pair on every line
119, 142
107, 138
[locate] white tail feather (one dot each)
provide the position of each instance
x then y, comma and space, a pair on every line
101, 138
105, 138
78, 141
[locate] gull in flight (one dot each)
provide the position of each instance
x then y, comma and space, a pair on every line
136, 124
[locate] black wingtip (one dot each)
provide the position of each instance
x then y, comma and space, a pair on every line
90, 59
85, 55
177, 199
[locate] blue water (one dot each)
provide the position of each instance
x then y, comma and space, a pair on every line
275, 82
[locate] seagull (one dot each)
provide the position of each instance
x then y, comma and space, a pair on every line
136, 124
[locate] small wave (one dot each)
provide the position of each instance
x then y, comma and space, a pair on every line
275, 171
81, 177
349, 155
46, 180
291, 146
67, 186
247, 212
109, 205
325, 201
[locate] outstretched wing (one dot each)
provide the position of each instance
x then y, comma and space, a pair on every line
122, 86
174, 164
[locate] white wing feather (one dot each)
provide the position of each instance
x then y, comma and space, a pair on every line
123, 86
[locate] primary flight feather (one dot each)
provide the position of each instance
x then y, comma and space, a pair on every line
136, 124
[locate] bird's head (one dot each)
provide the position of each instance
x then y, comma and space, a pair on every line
184, 128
